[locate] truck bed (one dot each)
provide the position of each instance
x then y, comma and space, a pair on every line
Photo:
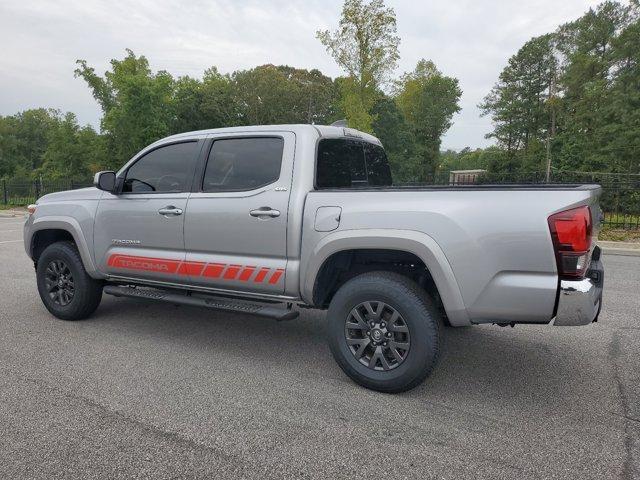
494, 238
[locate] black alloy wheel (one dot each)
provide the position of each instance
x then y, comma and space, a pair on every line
59, 283
377, 335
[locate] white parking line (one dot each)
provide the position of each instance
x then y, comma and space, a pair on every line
11, 241
3, 231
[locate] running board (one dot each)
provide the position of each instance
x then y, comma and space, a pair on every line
207, 301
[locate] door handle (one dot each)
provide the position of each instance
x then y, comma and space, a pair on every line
265, 212
170, 210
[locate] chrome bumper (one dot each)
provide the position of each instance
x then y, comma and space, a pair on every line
580, 301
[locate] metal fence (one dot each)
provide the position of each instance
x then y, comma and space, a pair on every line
620, 199
21, 192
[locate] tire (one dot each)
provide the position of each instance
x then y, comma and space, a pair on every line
79, 295
384, 292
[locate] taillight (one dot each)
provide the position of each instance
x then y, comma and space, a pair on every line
571, 232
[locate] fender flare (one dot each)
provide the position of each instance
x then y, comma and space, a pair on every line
417, 243
71, 225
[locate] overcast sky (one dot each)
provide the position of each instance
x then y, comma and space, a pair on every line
468, 39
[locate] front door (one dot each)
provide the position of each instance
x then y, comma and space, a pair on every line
138, 232
236, 225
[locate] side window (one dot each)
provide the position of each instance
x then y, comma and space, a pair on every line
237, 164
163, 170
345, 163
378, 170
340, 164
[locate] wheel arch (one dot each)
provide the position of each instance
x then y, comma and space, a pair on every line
405, 244
47, 230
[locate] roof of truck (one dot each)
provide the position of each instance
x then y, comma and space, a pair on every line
321, 130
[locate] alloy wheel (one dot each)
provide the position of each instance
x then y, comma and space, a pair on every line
377, 335
59, 283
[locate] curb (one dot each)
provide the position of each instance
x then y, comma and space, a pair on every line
13, 213
629, 252
629, 249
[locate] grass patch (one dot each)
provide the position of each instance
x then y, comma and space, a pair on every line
619, 235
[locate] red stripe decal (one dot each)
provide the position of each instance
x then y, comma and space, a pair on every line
209, 270
232, 272
213, 270
129, 262
191, 268
276, 276
246, 273
261, 274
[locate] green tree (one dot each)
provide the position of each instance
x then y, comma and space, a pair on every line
23, 140
137, 104
428, 100
206, 103
597, 67
620, 133
271, 94
365, 46
72, 152
396, 136
522, 105
572, 96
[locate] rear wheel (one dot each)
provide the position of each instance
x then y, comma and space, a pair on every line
65, 288
384, 331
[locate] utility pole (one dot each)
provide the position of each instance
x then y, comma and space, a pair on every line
551, 132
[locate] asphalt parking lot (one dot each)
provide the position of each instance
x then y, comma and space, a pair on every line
154, 391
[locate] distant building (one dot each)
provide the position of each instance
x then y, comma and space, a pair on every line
463, 177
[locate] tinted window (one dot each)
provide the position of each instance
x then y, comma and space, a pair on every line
243, 164
344, 163
378, 170
340, 164
166, 169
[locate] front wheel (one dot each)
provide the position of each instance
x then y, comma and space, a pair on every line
65, 288
384, 331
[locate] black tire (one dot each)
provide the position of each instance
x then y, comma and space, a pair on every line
86, 291
418, 312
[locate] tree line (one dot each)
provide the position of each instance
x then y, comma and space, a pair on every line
568, 100
571, 96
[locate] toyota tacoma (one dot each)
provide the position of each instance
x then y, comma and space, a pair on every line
270, 219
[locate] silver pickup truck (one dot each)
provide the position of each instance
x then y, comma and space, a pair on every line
271, 219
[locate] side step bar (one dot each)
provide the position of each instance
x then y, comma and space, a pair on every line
207, 301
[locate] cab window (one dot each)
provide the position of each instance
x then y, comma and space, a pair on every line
166, 169
243, 164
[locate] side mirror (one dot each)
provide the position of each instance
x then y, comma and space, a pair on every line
105, 181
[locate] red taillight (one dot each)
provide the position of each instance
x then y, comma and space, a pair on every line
571, 232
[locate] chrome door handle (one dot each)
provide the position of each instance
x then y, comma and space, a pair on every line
265, 212
170, 210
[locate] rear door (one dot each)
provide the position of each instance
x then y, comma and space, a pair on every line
138, 233
236, 224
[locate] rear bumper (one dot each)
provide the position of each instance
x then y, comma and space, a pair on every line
580, 301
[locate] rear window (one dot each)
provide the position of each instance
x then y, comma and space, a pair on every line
346, 163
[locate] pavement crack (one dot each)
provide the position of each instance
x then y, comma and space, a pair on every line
632, 419
614, 356
147, 427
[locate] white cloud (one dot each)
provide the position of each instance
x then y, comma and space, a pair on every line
468, 39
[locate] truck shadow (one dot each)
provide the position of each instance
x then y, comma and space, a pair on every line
479, 364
